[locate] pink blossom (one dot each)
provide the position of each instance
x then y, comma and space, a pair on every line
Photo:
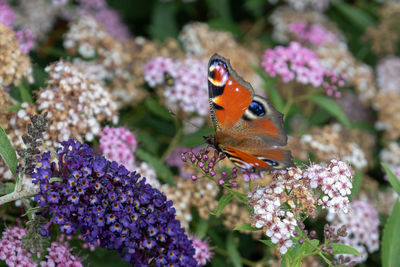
362, 225
7, 15
335, 181
106, 16
189, 90
301, 64
118, 144
60, 255
11, 250
203, 252
25, 40
313, 33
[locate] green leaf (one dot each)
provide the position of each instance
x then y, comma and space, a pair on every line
308, 248
223, 201
268, 243
273, 93
394, 181
163, 172
330, 106
196, 138
201, 228
220, 8
390, 241
163, 21
256, 7
14, 108
357, 181
246, 227
6, 188
146, 141
339, 248
356, 16
157, 109
232, 251
25, 94
240, 196
8, 154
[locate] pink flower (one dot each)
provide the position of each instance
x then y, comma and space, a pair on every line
11, 250
313, 33
301, 64
60, 255
118, 144
189, 88
106, 16
25, 40
362, 224
7, 15
203, 252
335, 181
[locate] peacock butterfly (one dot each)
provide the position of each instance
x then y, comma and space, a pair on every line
248, 129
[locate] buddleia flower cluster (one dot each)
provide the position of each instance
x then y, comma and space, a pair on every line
104, 201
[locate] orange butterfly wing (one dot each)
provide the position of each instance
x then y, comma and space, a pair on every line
248, 127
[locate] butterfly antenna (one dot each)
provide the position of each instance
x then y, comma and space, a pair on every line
185, 120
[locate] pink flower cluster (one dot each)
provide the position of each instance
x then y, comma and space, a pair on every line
189, 88
335, 181
313, 33
26, 40
106, 16
299, 63
203, 252
60, 255
118, 144
12, 252
362, 224
25, 37
7, 15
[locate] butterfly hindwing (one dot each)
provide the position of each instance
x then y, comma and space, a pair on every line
262, 159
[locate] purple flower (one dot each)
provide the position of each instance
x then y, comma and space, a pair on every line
118, 208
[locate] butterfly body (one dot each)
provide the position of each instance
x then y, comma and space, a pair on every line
249, 130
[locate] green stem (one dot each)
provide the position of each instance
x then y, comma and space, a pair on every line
175, 141
325, 259
243, 260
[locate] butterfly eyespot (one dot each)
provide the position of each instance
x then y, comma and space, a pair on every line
271, 162
257, 109
218, 73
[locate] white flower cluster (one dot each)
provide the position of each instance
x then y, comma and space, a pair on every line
75, 104
362, 225
188, 87
335, 181
387, 73
278, 223
390, 155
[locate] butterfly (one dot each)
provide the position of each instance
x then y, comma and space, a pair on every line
248, 129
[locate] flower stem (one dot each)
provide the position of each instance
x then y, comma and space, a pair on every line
175, 140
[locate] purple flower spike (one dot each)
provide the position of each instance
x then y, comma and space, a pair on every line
118, 208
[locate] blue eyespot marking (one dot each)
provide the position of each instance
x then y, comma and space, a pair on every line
271, 162
257, 109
